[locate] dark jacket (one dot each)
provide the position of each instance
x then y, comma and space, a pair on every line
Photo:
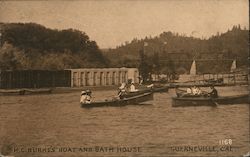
214, 93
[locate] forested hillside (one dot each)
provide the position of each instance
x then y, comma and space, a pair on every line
33, 46
173, 49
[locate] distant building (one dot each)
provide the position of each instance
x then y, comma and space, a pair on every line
10, 79
103, 76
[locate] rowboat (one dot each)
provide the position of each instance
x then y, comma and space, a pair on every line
12, 92
146, 90
137, 93
38, 91
24, 91
134, 100
160, 89
208, 101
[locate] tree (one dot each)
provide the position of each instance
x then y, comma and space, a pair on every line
35, 47
8, 61
235, 39
144, 67
171, 69
156, 64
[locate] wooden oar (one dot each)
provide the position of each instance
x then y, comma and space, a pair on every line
213, 101
216, 103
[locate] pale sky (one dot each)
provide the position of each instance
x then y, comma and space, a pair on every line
112, 22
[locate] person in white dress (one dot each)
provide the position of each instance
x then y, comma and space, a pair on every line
132, 88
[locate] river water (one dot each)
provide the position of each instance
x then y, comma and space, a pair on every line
56, 125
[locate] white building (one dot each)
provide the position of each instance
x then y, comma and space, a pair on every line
103, 76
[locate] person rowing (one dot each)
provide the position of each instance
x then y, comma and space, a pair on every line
122, 90
213, 93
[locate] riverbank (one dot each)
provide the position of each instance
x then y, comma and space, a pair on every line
190, 84
58, 90
78, 89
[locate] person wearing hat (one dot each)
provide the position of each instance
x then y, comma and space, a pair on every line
85, 97
213, 93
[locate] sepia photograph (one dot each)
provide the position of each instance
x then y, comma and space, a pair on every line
124, 78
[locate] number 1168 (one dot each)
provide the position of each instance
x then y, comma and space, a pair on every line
226, 142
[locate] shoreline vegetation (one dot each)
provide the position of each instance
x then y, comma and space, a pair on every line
174, 53
62, 90
26, 46
29, 46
